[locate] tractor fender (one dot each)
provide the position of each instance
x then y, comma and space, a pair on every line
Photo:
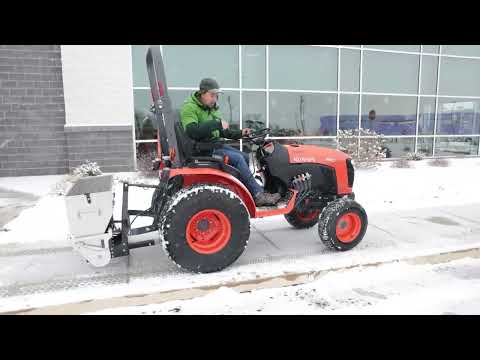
213, 176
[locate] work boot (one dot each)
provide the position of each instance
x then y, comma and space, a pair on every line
267, 199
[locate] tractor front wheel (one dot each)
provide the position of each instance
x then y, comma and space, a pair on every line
303, 220
342, 224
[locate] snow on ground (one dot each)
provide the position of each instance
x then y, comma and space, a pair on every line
377, 190
47, 222
37, 185
399, 288
421, 186
383, 190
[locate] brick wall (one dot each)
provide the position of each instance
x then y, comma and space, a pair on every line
32, 111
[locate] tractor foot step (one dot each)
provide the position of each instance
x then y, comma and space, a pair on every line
284, 206
282, 203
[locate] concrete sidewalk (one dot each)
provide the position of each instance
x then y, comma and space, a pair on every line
274, 249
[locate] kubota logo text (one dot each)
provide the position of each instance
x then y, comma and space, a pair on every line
304, 159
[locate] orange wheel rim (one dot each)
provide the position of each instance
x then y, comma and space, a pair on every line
208, 231
348, 227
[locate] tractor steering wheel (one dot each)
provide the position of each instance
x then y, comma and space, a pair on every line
258, 135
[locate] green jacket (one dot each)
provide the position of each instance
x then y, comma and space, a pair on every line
202, 123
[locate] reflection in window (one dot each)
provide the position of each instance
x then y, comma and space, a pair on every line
389, 115
348, 112
456, 146
459, 77
254, 110
390, 72
458, 116
461, 50
328, 143
425, 146
397, 147
431, 49
145, 123
297, 114
301, 67
186, 65
139, 66
426, 118
429, 75
253, 66
350, 70
178, 97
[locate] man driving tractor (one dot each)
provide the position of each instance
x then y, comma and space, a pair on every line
202, 121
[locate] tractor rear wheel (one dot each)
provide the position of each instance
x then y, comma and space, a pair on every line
204, 228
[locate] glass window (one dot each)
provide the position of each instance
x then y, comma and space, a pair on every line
460, 77
296, 114
431, 49
348, 118
425, 146
303, 67
461, 50
391, 73
145, 126
254, 109
411, 48
389, 115
426, 118
357, 46
350, 70
429, 75
328, 143
397, 147
456, 146
229, 103
458, 116
186, 65
253, 67
139, 66
178, 97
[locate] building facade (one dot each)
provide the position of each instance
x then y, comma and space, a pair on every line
62, 105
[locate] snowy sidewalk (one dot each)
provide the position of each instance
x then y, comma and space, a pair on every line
411, 212
275, 249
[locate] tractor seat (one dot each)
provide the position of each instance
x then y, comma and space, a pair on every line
199, 154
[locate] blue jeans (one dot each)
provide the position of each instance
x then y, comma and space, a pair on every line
240, 161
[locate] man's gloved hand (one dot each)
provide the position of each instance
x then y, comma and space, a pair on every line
225, 125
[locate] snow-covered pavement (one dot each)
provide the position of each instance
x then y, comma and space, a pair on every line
42, 278
399, 288
411, 212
